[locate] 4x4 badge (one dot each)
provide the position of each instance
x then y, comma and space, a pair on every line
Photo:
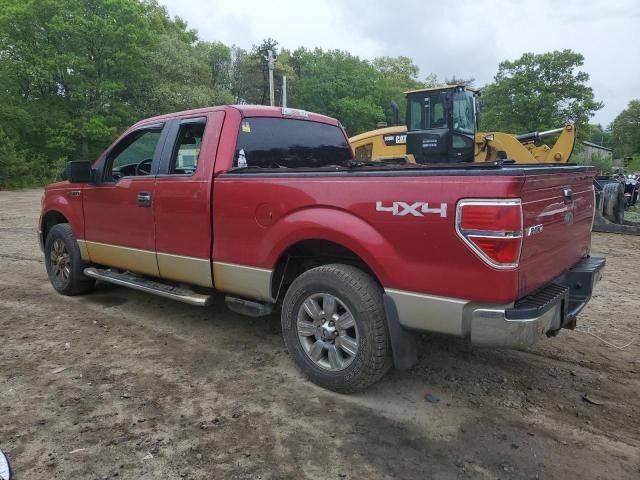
417, 209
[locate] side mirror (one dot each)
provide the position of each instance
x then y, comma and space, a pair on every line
79, 172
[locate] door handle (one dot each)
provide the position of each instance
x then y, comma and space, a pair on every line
144, 199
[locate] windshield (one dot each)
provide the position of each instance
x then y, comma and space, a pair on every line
464, 114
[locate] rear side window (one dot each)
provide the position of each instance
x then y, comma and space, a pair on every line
186, 151
289, 143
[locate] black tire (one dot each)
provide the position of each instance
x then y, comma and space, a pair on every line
614, 202
359, 293
67, 279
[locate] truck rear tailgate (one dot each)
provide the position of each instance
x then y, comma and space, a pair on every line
557, 213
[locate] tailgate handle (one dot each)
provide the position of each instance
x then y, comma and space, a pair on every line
567, 193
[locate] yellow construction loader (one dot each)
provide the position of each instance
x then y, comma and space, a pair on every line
442, 126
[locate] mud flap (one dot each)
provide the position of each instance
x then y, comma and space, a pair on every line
403, 341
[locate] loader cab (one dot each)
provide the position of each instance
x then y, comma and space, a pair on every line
441, 124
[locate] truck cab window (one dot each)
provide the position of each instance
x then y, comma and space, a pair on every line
186, 151
290, 143
133, 156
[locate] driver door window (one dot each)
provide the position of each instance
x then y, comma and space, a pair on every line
133, 156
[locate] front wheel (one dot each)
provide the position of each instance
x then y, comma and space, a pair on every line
333, 324
64, 264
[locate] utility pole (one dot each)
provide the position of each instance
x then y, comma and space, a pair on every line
284, 91
272, 100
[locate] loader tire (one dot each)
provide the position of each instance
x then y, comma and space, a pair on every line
614, 202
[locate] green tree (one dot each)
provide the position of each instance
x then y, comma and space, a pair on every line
219, 58
250, 73
73, 59
395, 75
400, 71
190, 77
74, 73
453, 80
539, 92
625, 130
246, 77
337, 84
599, 135
261, 54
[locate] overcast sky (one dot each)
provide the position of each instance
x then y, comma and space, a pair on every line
467, 38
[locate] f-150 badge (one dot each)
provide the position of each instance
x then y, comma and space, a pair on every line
417, 209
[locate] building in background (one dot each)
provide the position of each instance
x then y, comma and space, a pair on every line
592, 149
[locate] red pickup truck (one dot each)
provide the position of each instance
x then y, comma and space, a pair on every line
269, 206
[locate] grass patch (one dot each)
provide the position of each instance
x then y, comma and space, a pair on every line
634, 165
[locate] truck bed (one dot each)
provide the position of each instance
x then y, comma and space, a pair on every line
407, 252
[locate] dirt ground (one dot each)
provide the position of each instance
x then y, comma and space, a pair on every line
121, 384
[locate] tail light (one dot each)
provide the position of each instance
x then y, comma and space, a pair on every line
492, 229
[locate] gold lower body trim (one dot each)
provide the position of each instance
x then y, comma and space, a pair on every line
132, 259
185, 269
429, 313
249, 282
196, 271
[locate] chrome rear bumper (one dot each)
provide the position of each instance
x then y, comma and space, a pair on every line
520, 325
492, 328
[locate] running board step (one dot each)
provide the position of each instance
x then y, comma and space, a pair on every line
248, 307
165, 290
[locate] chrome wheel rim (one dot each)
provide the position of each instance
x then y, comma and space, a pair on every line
327, 332
60, 261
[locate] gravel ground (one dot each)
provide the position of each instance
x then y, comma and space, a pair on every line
121, 384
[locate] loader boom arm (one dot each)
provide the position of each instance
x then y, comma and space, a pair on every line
522, 149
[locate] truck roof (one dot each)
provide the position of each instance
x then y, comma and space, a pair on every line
247, 111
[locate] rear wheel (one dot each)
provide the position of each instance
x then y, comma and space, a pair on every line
64, 264
334, 326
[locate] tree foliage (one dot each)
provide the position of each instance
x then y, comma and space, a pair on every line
625, 130
250, 73
75, 73
600, 135
337, 84
539, 92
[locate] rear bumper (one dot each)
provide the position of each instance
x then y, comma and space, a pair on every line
519, 325
492, 328
553, 307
